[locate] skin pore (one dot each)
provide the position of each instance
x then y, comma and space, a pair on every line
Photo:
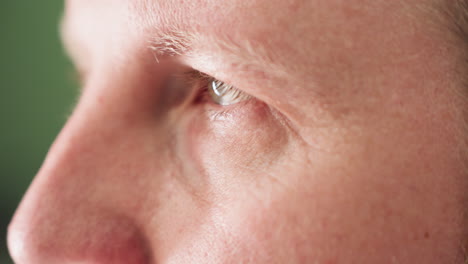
347, 150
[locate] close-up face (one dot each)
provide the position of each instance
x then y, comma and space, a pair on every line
263, 131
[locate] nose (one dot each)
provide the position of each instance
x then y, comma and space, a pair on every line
60, 223
39, 237
81, 208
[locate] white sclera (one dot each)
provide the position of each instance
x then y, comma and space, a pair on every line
224, 94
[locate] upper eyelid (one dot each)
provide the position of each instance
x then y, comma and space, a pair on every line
201, 82
191, 77
195, 75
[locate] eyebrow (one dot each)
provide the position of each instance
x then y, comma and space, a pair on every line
242, 52
172, 43
184, 41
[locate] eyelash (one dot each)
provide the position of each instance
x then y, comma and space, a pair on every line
211, 89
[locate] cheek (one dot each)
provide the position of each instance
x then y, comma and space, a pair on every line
234, 143
248, 230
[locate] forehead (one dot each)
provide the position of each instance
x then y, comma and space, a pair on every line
314, 43
276, 30
258, 16
277, 24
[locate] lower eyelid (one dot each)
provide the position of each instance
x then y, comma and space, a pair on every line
239, 132
250, 111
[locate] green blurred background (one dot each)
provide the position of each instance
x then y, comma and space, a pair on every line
36, 93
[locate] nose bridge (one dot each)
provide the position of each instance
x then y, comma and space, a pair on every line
71, 212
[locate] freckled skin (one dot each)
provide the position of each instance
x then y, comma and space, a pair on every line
348, 153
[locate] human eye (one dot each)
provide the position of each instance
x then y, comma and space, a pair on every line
225, 94
213, 90
224, 122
